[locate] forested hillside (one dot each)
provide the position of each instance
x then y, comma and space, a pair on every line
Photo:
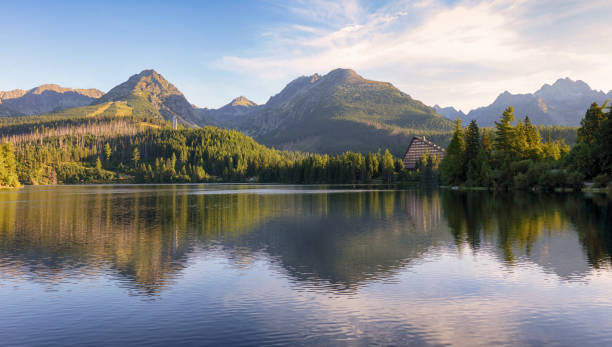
8, 166
334, 128
130, 141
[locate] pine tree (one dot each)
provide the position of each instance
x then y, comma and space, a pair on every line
453, 166
473, 148
603, 145
504, 135
589, 125
472, 142
521, 146
534, 140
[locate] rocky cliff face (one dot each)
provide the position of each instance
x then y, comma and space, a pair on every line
44, 99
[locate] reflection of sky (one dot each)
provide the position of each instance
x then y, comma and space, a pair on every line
454, 298
379, 267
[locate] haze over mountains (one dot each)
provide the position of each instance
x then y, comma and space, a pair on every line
562, 103
328, 113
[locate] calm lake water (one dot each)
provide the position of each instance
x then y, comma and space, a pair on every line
302, 265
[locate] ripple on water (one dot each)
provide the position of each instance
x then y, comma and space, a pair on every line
294, 265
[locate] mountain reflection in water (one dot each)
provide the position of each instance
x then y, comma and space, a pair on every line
229, 265
334, 239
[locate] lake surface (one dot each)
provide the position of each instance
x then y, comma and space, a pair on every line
302, 265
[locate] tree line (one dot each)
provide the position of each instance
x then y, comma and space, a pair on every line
518, 157
207, 154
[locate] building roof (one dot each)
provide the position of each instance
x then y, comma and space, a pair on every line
410, 161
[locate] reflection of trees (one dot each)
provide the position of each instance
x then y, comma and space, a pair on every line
517, 220
592, 218
360, 237
145, 235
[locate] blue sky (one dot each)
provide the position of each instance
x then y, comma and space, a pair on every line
460, 53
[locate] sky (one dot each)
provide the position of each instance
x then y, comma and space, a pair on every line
460, 53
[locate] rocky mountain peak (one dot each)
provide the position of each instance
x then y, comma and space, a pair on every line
148, 84
162, 95
564, 88
561, 103
242, 101
342, 76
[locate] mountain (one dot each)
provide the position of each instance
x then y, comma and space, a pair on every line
449, 112
152, 91
337, 112
562, 103
227, 114
44, 99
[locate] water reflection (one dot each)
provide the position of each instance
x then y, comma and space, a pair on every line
524, 224
338, 240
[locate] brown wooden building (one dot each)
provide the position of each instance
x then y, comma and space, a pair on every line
418, 147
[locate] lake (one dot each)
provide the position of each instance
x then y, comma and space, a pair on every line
302, 265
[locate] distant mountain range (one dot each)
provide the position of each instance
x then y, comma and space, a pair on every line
328, 113
44, 99
562, 103
450, 112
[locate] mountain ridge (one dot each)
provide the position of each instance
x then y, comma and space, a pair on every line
326, 113
563, 103
43, 99
449, 112
336, 112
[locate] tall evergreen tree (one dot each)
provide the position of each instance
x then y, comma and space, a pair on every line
521, 146
473, 149
452, 166
534, 140
472, 142
589, 125
504, 134
603, 144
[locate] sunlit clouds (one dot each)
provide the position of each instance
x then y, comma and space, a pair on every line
461, 54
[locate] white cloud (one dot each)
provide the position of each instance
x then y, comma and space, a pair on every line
461, 55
